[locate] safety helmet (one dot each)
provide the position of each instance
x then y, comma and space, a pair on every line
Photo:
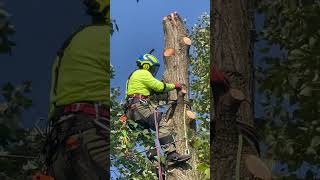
149, 62
97, 7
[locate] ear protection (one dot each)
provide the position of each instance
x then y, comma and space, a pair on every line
146, 66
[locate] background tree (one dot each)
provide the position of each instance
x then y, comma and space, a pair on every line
289, 83
19, 147
234, 146
6, 30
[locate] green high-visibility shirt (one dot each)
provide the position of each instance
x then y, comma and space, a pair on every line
84, 71
142, 82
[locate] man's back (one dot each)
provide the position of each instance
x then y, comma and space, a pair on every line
84, 68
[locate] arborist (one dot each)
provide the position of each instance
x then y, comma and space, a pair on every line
77, 146
140, 85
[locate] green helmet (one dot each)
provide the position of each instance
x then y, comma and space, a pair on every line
99, 8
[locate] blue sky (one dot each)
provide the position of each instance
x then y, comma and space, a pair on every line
141, 30
42, 27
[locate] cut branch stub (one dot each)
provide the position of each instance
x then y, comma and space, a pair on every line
257, 167
191, 115
169, 52
186, 41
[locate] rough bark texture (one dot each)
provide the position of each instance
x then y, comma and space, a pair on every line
176, 70
231, 52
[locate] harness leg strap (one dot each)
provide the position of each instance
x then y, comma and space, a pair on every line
166, 140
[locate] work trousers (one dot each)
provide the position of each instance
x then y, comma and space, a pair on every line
143, 113
79, 148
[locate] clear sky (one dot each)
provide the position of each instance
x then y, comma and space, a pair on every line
42, 27
141, 30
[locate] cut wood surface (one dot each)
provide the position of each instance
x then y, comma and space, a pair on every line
186, 41
257, 167
169, 52
191, 115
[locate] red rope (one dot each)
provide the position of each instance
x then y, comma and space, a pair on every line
157, 145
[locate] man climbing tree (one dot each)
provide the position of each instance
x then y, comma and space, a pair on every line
140, 85
78, 145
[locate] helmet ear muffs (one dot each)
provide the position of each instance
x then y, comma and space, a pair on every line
146, 66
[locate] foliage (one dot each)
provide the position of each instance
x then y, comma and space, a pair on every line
290, 84
129, 160
14, 139
6, 30
200, 88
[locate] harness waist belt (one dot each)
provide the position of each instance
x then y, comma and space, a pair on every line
138, 96
87, 108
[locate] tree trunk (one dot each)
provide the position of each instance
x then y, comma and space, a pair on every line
176, 61
232, 52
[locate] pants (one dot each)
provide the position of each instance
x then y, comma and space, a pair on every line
79, 149
143, 114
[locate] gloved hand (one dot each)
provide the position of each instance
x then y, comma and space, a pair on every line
177, 86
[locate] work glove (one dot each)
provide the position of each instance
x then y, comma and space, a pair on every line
177, 86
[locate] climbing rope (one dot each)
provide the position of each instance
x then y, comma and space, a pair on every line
187, 151
240, 143
157, 145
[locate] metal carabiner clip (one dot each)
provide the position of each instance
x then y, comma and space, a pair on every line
187, 152
143, 101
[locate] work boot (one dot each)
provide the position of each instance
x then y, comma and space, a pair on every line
175, 158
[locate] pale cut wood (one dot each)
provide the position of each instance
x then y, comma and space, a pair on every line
257, 167
169, 52
184, 91
191, 115
186, 41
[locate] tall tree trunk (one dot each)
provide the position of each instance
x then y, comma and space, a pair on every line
232, 52
176, 60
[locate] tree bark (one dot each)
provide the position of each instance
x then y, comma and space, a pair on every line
232, 43
176, 70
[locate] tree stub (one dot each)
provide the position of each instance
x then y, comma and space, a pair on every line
257, 167
169, 52
187, 41
191, 115
237, 94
